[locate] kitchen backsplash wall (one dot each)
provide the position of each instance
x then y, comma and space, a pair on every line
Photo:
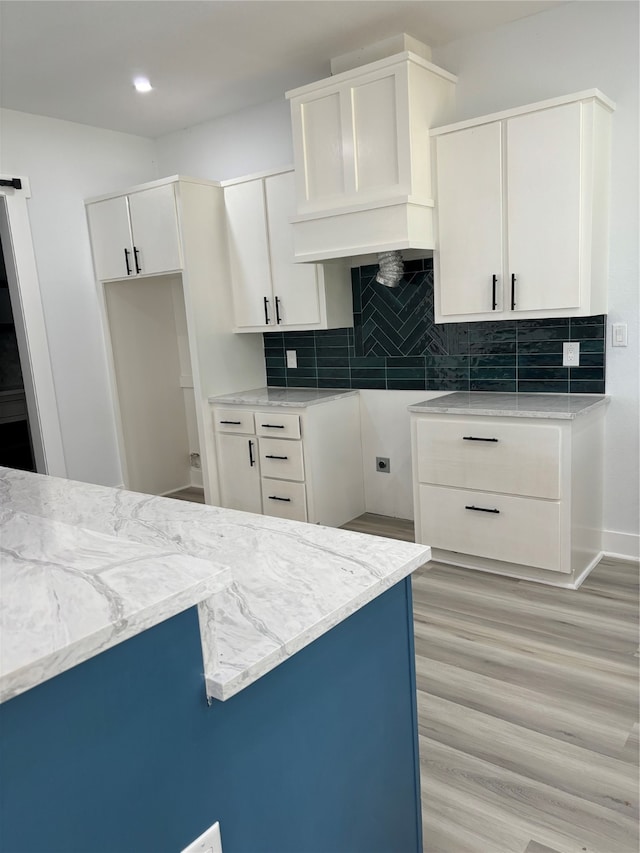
396, 345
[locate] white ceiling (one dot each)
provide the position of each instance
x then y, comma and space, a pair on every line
75, 59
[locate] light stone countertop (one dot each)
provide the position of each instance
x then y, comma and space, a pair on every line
85, 567
495, 404
292, 397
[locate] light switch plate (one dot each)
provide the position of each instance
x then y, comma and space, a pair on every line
292, 358
571, 354
619, 335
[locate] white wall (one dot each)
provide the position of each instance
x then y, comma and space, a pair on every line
67, 163
577, 46
253, 140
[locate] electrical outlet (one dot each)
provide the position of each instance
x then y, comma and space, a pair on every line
571, 354
292, 358
383, 465
208, 842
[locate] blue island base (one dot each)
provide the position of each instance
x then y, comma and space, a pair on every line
122, 754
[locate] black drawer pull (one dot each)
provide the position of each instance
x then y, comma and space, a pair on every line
135, 258
483, 509
273, 426
276, 498
271, 456
252, 460
494, 300
477, 438
266, 310
235, 423
278, 317
513, 291
126, 260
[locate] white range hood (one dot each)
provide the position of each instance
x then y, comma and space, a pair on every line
362, 154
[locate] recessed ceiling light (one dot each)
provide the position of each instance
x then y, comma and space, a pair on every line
142, 84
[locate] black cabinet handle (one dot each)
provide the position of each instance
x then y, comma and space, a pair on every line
235, 423
126, 260
273, 426
513, 291
494, 286
266, 310
477, 438
252, 461
278, 317
135, 258
276, 498
271, 456
483, 509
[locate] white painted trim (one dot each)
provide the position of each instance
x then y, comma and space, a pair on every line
373, 204
587, 94
626, 546
371, 67
24, 289
256, 176
161, 182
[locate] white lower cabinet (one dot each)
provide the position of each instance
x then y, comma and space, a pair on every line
300, 463
509, 495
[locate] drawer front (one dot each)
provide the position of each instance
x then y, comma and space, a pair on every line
518, 459
277, 425
284, 499
281, 458
524, 531
234, 420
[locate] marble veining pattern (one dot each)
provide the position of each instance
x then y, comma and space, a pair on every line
564, 406
69, 593
294, 397
290, 582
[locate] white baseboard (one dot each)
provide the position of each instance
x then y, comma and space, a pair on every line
623, 545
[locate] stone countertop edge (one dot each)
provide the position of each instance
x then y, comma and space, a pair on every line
48, 663
498, 404
221, 688
86, 567
283, 397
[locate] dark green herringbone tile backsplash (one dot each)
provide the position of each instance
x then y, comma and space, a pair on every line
395, 344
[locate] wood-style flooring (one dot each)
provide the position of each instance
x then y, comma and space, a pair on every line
528, 709
191, 493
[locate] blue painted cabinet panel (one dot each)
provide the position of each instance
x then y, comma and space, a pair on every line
122, 754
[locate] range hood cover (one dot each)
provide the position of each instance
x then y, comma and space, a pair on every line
362, 158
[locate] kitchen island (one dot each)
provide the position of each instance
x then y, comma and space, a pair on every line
166, 665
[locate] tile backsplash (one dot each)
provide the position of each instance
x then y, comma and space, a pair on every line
396, 345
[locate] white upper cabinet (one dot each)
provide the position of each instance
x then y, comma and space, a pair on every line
135, 234
271, 291
361, 150
522, 212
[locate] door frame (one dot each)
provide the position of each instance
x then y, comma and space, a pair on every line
31, 332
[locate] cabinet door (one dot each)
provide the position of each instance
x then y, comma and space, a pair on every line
239, 473
295, 286
469, 216
154, 228
544, 206
110, 237
249, 253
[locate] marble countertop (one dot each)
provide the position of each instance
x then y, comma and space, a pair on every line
564, 406
293, 397
85, 566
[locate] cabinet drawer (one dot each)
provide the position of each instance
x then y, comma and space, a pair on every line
284, 499
519, 459
525, 531
281, 458
234, 420
277, 425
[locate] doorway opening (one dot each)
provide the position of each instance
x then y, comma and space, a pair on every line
16, 447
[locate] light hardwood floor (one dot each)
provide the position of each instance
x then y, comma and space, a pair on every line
528, 709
